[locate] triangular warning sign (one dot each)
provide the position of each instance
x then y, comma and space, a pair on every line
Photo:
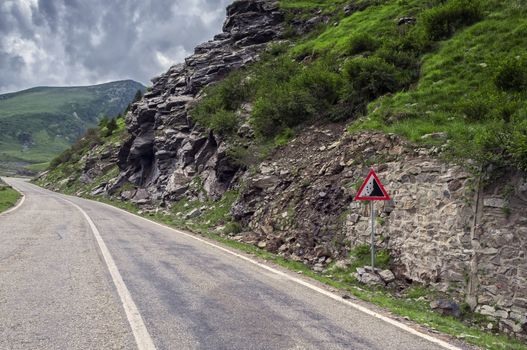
372, 189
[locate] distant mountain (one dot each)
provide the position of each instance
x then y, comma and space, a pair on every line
39, 123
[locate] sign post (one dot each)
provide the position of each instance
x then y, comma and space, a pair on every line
372, 249
372, 190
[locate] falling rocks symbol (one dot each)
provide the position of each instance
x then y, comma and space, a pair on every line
372, 189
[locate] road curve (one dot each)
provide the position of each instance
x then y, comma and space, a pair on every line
58, 290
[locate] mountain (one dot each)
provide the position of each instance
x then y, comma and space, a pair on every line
39, 123
264, 135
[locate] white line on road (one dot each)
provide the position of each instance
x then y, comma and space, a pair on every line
142, 337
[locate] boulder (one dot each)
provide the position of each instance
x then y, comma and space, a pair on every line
446, 307
387, 276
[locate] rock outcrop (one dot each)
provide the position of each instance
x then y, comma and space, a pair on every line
166, 149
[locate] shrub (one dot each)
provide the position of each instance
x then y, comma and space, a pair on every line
103, 122
443, 21
111, 126
512, 75
368, 78
320, 82
283, 137
517, 144
224, 122
91, 139
276, 49
226, 95
360, 43
477, 107
232, 228
284, 106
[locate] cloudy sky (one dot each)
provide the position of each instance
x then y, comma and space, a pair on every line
79, 42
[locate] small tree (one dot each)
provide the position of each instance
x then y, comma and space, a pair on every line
111, 126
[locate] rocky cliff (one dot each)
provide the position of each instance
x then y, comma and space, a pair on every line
166, 149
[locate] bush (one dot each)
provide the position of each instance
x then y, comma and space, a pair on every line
443, 21
111, 126
224, 122
478, 107
293, 99
232, 228
360, 43
368, 78
283, 137
103, 122
284, 106
323, 84
517, 144
226, 95
512, 75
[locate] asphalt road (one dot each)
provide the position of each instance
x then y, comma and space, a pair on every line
60, 289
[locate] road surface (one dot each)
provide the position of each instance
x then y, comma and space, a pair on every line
76, 274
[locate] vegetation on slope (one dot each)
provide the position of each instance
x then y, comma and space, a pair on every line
39, 123
409, 67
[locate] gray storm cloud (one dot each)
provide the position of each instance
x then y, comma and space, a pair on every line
78, 42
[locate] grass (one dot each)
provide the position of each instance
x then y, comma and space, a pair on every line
8, 197
461, 69
457, 92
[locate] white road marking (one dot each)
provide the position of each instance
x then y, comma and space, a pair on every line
142, 337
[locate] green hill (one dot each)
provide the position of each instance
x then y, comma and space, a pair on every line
441, 73
39, 123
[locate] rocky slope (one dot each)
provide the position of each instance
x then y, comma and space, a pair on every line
166, 149
448, 226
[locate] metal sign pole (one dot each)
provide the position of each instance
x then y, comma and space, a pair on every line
372, 236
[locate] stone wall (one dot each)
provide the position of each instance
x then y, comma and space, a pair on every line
446, 229
426, 226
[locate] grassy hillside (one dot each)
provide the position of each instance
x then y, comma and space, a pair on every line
39, 123
456, 68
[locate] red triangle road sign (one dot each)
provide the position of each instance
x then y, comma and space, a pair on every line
372, 189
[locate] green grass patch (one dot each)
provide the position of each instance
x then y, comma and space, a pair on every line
8, 197
472, 87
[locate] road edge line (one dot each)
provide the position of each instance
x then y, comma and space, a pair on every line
142, 336
311, 286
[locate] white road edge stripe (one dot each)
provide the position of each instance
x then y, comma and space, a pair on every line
333, 296
142, 337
